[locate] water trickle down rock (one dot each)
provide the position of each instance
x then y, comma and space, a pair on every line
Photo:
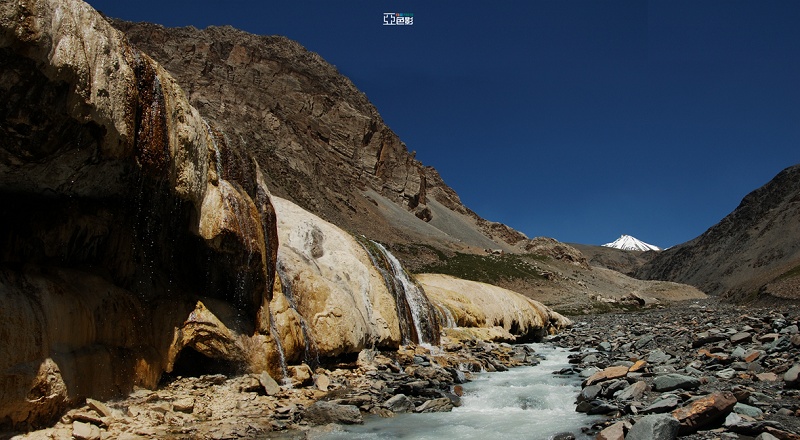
126, 248
416, 305
335, 287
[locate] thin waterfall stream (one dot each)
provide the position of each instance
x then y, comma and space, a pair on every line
528, 403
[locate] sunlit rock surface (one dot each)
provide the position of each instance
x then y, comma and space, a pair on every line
333, 283
133, 232
504, 313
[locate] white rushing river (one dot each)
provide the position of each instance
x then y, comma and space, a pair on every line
523, 403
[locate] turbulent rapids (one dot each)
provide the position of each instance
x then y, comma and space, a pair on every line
523, 403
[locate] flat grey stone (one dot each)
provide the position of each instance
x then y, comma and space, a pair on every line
654, 427
673, 381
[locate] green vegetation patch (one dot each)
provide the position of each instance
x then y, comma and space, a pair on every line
486, 268
791, 273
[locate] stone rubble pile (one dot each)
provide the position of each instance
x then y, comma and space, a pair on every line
704, 370
412, 379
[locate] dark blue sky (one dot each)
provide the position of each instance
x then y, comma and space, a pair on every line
578, 120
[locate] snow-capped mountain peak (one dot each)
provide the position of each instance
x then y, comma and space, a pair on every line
628, 243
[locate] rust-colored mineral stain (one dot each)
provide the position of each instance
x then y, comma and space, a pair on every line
152, 143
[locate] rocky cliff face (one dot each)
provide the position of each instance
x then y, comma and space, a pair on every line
320, 141
127, 220
754, 249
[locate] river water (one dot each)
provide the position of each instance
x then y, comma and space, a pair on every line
528, 403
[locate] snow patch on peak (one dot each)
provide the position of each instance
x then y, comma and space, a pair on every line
629, 243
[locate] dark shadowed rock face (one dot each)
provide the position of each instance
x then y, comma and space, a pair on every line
753, 250
129, 232
320, 141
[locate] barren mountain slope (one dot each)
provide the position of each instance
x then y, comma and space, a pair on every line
623, 261
320, 140
325, 147
754, 250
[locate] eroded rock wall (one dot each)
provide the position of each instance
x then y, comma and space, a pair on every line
132, 230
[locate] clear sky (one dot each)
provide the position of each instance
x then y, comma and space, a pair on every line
578, 120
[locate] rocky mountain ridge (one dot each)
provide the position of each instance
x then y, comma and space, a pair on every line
752, 252
321, 143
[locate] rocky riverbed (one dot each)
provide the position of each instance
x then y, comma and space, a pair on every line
698, 370
412, 379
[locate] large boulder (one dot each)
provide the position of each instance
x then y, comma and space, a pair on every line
707, 411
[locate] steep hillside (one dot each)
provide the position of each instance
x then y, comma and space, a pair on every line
318, 138
324, 146
755, 249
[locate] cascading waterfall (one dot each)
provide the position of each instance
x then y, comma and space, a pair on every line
423, 316
380, 263
446, 318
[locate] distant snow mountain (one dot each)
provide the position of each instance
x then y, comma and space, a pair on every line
628, 243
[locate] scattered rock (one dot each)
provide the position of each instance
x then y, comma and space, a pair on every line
705, 411
442, 404
654, 427
184, 405
322, 382
322, 412
792, 377
613, 432
399, 403
606, 374
100, 407
85, 431
270, 386
669, 382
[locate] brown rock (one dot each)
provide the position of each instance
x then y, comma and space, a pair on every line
300, 375
704, 412
184, 405
752, 355
613, 432
741, 338
722, 357
767, 377
322, 381
638, 366
85, 431
607, 374
100, 407
269, 384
